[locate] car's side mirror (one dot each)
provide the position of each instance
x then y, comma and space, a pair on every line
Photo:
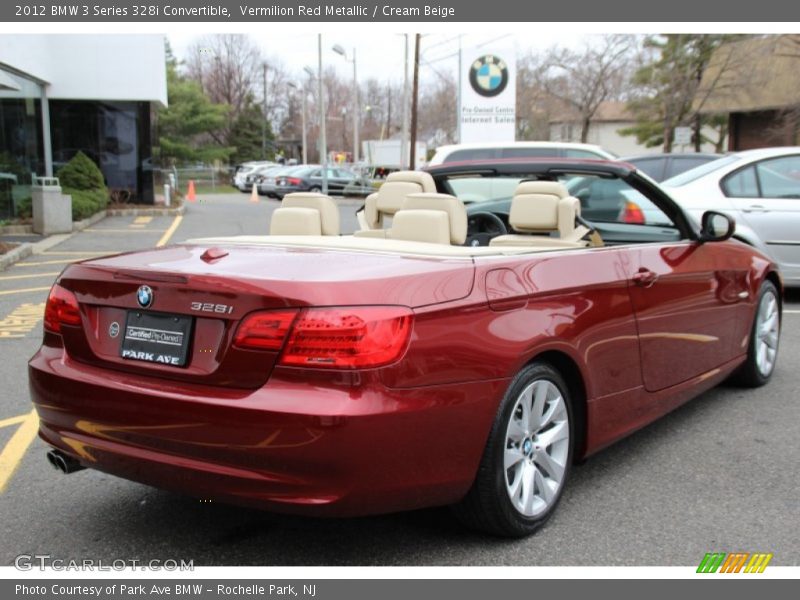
716, 226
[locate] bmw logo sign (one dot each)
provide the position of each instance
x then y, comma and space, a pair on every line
488, 76
144, 296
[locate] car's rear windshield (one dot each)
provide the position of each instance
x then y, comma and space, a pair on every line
698, 172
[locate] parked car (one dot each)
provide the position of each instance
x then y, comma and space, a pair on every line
336, 375
760, 189
244, 170
308, 178
266, 181
663, 166
516, 150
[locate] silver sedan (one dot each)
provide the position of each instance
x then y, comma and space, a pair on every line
761, 190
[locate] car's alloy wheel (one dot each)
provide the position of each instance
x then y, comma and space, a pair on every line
762, 351
767, 330
536, 448
527, 459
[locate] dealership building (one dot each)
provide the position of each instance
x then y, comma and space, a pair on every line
63, 93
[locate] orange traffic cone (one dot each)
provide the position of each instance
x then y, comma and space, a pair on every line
254, 194
190, 195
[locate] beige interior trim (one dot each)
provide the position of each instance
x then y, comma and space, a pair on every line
373, 245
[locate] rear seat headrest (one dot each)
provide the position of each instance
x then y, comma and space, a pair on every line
419, 225
328, 211
456, 213
390, 196
295, 221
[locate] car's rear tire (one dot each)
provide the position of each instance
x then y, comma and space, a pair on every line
315, 189
762, 349
527, 459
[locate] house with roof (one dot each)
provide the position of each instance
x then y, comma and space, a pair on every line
756, 82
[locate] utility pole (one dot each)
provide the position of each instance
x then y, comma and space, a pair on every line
264, 122
458, 94
404, 135
414, 93
323, 144
304, 93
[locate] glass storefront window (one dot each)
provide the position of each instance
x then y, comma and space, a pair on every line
21, 155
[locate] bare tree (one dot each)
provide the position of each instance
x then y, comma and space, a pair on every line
583, 79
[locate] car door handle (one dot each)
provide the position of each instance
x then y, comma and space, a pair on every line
756, 208
645, 278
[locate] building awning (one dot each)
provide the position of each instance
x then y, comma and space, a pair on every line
6, 83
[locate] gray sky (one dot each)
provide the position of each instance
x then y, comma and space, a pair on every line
381, 54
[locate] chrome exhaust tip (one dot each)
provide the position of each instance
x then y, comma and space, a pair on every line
63, 462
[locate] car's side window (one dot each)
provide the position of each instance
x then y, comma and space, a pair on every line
741, 184
612, 200
780, 177
575, 153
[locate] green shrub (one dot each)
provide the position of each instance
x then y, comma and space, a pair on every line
25, 208
80, 173
85, 203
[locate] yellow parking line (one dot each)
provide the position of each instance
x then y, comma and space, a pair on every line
168, 234
16, 447
12, 421
48, 262
124, 230
31, 276
142, 220
24, 290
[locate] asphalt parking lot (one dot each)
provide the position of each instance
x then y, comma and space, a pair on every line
717, 474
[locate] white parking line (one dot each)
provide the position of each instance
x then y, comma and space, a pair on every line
791, 312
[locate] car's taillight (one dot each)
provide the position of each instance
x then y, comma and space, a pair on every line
293, 181
61, 309
632, 214
357, 337
265, 330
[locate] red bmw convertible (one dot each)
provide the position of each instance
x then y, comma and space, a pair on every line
487, 326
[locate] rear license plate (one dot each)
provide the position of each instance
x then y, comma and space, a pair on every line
158, 338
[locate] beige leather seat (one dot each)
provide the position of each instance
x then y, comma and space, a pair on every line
389, 199
451, 207
539, 208
421, 225
305, 213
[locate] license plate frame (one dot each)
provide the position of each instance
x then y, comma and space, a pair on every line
159, 338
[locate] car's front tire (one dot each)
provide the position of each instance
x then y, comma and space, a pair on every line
527, 459
762, 350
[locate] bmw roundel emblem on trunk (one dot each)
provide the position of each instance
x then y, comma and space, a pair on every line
144, 295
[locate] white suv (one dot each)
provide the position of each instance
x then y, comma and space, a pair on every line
500, 150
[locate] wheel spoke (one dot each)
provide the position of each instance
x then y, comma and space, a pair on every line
515, 430
527, 477
511, 457
516, 486
545, 491
550, 465
556, 405
771, 339
540, 389
525, 401
559, 431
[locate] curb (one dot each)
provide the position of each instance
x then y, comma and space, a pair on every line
146, 212
16, 229
17, 254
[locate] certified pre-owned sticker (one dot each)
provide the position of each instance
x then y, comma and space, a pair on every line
113, 329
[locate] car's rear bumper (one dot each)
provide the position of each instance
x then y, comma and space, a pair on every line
323, 446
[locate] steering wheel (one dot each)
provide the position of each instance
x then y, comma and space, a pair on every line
482, 227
